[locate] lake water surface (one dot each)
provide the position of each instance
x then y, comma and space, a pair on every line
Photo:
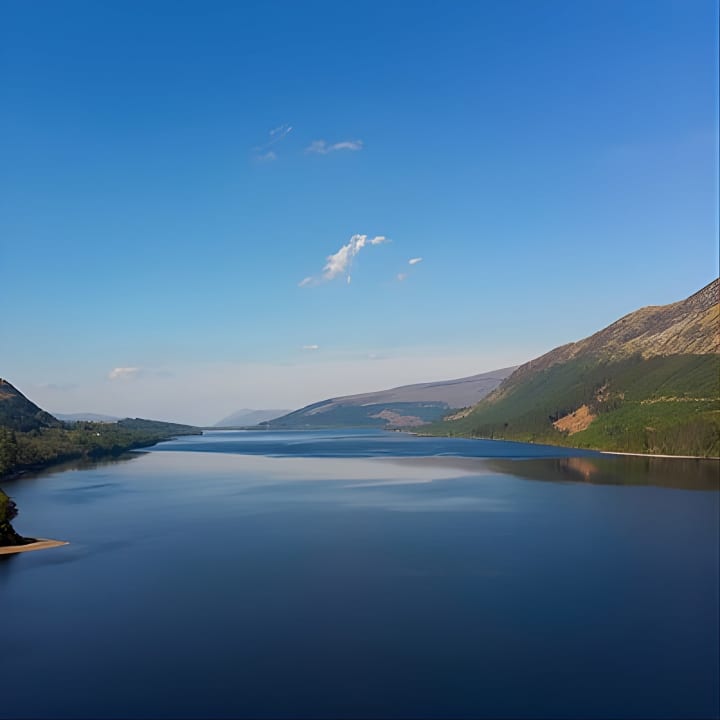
364, 574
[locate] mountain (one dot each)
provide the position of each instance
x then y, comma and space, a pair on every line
159, 427
19, 413
649, 382
246, 417
404, 406
85, 417
31, 438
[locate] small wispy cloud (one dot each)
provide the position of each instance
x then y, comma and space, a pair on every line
276, 135
135, 373
339, 264
124, 373
401, 276
310, 347
320, 147
280, 132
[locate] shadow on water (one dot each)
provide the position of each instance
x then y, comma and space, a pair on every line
80, 464
678, 473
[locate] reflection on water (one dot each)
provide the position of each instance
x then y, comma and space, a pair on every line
679, 473
358, 443
364, 584
70, 465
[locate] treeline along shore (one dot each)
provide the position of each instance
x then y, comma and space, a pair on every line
40, 448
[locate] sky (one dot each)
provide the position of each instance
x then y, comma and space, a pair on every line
207, 206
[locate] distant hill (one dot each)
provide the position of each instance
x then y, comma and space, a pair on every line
247, 417
19, 413
31, 438
649, 382
405, 406
160, 427
85, 417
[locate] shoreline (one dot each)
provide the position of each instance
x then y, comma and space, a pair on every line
648, 455
39, 544
78, 457
566, 447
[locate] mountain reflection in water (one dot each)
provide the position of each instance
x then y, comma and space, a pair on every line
679, 473
364, 574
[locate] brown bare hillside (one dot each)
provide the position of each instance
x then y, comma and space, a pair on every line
690, 326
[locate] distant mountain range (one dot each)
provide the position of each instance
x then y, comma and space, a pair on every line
406, 406
649, 382
247, 417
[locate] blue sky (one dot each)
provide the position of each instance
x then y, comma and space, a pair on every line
173, 171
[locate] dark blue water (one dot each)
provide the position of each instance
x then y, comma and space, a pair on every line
350, 575
359, 443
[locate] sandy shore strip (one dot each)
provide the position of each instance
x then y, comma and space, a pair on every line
41, 544
648, 455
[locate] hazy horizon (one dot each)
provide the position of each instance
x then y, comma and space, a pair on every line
181, 392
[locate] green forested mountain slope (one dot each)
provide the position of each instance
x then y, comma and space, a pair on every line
649, 382
18, 413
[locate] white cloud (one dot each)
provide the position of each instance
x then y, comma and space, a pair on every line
277, 134
124, 373
321, 147
280, 132
346, 145
136, 373
316, 146
339, 263
310, 347
404, 275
